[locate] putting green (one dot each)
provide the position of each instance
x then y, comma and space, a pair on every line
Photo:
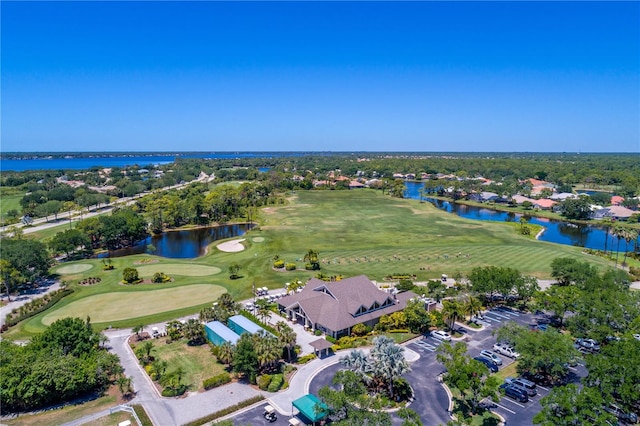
124, 305
73, 269
178, 269
257, 239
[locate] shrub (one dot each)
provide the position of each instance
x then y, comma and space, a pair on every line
264, 381
130, 275
278, 264
290, 266
308, 267
330, 339
160, 277
318, 333
215, 381
360, 330
171, 391
276, 383
306, 358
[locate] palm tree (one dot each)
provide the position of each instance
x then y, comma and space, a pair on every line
262, 310
147, 347
606, 222
287, 337
225, 353
358, 362
138, 329
472, 306
451, 312
312, 257
387, 361
619, 232
268, 349
629, 235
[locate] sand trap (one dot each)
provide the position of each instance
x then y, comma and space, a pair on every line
231, 246
257, 239
73, 269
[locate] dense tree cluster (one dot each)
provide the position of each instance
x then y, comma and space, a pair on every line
470, 377
121, 228
63, 363
22, 261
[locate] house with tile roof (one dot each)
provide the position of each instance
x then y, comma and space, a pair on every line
335, 307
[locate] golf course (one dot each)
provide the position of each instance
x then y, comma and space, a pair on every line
355, 232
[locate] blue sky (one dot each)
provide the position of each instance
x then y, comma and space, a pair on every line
322, 76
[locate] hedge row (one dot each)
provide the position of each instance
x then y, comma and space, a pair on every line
142, 415
55, 298
225, 411
215, 381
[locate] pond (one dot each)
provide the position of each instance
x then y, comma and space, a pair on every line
184, 244
559, 232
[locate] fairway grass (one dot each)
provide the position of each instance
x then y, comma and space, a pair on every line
178, 269
107, 307
359, 232
76, 268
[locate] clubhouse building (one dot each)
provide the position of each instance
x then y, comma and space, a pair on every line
335, 307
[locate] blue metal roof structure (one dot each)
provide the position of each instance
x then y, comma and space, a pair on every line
218, 333
241, 324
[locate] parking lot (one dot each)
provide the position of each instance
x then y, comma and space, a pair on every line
431, 401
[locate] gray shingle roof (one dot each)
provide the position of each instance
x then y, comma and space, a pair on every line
335, 304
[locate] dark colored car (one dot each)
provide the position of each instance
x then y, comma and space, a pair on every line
514, 392
492, 366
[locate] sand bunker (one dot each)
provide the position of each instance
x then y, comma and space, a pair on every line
231, 246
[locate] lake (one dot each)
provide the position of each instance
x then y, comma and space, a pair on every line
184, 244
559, 232
34, 161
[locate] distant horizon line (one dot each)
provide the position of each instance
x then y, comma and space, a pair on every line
177, 152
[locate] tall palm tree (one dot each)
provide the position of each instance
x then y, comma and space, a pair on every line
619, 232
451, 312
387, 361
629, 235
472, 306
268, 349
287, 337
262, 310
606, 223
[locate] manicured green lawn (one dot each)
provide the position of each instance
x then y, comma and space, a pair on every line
197, 362
356, 232
10, 202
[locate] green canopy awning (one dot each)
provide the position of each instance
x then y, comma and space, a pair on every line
311, 407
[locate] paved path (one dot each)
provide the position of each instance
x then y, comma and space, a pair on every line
46, 286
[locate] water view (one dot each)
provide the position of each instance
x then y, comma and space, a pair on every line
185, 244
559, 232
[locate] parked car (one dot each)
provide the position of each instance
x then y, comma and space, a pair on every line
514, 392
636, 336
505, 350
441, 335
526, 385
626, 417
492, 366
588, 344
492, 356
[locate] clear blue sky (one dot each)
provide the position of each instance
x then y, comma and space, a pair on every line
330, 76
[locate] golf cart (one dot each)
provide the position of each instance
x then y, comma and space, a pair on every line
270, 414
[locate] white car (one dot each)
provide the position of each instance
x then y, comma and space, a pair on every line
492, 356
505, 350
441, 335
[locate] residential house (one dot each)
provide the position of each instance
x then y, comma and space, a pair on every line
335, 307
